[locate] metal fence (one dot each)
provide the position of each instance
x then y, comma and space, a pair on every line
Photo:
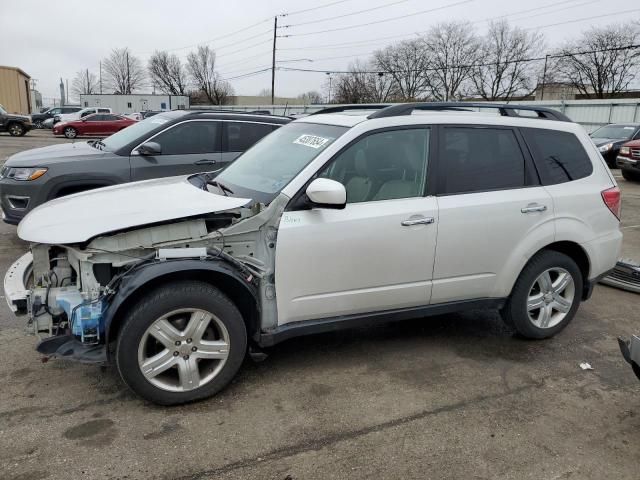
589, 113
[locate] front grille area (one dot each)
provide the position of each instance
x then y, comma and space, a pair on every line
635, 152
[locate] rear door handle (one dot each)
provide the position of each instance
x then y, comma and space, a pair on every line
534, 207
205, 161
417, 221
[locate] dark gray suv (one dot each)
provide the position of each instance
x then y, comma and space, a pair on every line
171, 143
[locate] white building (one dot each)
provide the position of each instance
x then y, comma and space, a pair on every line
135, 102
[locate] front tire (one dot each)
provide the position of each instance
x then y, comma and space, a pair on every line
546, 295
16, 130
70, 132
630, 176
182, 342
38, 124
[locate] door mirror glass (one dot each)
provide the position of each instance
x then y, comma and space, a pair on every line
150, 148
327, 193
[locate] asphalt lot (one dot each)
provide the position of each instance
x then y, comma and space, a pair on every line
454, 396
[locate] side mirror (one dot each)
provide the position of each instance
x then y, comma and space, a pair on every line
150, 148
326, 193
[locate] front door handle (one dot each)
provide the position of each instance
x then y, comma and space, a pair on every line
418, 221
205, 161
534, 207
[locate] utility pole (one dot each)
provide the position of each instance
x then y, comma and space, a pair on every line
100, 77
273, 61
128, 85
329, 99
544, 76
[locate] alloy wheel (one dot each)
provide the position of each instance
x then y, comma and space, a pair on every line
70, 132
15, 130
183, 350
550, 297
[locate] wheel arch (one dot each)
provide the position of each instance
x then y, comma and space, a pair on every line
574, 251
216, 273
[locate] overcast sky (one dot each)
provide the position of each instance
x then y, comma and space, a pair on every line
50, 40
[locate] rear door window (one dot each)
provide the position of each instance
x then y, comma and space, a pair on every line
190, 137
559, 156
475, 159
240, 136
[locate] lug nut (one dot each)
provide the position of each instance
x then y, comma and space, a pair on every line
189, 340
193, 349
175, 354
186, 357
177, 342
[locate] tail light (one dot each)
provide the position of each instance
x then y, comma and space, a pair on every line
612, 199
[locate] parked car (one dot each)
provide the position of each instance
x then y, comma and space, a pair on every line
171, 143
330, 222
97, 125
135, 116
80, 114
48, 123
611, 137
149, 113
628, 160
38, 119
16, 125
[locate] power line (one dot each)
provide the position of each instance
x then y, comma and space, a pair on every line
583, 19
555, 10
404, 35
219, 37
473, 65
422, 12
313, 8
346, 14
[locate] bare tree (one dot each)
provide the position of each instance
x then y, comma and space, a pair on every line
607, 65
406, 64
311, 97
265, 92
503, 70
202, 67
451, 49
84, 83
168, 73
123, 71
351, 87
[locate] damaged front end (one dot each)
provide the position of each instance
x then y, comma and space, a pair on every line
71, 294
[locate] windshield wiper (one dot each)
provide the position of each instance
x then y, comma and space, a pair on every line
226, 190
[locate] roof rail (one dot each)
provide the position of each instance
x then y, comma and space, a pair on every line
506, 110
345, 108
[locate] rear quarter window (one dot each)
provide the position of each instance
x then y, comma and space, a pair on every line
559, 156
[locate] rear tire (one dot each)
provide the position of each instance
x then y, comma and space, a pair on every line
182, 342
545, 297
630, 176
38, 124
70, 132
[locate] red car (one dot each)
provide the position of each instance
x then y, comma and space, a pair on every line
629, 160
96, 125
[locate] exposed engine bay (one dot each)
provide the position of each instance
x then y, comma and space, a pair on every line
67, 290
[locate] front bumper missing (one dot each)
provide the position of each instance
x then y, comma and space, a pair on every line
631, 353
15, 281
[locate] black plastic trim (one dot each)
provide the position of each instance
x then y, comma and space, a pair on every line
141, 276
310, 327
349, 108
506, 110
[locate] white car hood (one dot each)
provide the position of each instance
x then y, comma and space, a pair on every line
80, 217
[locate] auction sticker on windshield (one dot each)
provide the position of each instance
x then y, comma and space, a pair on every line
312, 141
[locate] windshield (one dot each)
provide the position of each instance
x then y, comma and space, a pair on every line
621, 132
267, 167
124, 137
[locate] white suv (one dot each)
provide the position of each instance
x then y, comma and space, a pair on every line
332, 221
